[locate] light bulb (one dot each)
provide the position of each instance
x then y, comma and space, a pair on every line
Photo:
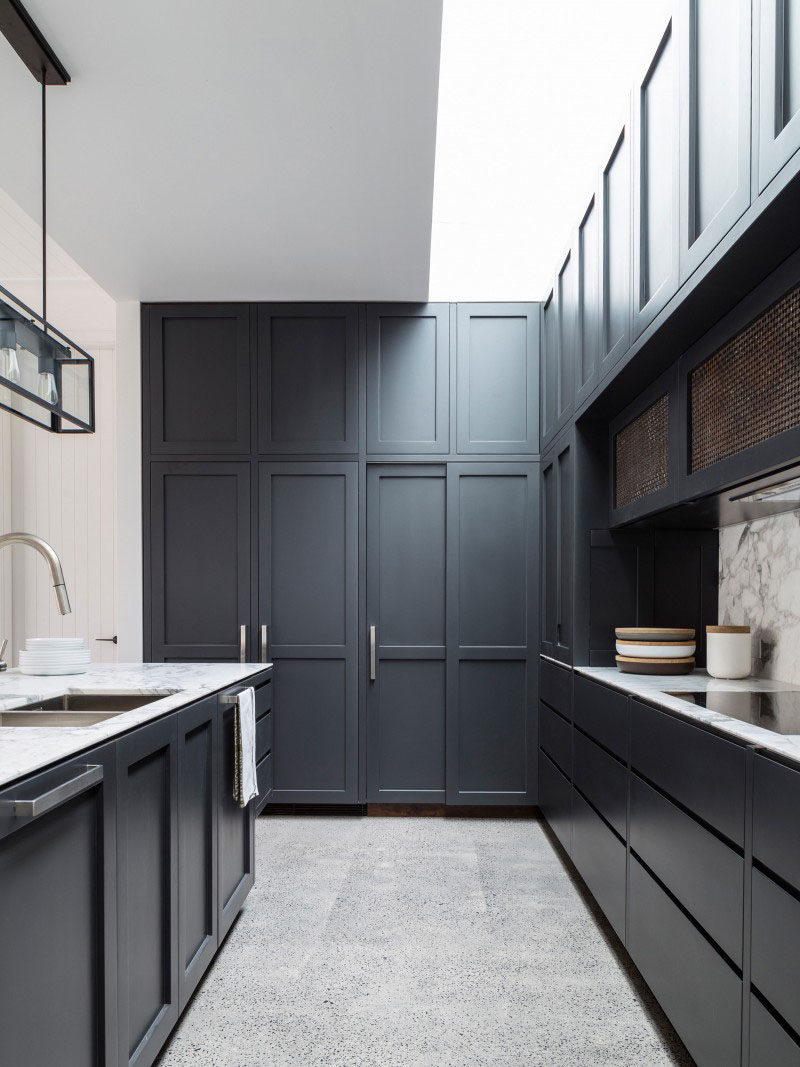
9, 364
47, 387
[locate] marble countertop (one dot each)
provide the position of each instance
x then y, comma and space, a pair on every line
24, 750
652, 688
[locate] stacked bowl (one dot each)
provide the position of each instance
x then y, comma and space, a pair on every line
655, 650
54, 655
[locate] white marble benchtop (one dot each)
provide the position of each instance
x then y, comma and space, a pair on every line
24, 750
657, 689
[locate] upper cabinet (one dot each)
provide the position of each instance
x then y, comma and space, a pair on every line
615, 251
715, 123
549, 366
497, 378
307, 378
778, 30
197, 379
655, 183
587, 352
408, 386
568, 337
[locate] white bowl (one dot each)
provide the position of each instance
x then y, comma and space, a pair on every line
76, 669
669, 650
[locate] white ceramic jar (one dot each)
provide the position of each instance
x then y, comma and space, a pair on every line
729, 651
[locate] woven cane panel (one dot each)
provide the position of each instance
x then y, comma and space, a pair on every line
641, 455
749, 390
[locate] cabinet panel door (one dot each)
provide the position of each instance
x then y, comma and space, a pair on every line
498, 378
589, 303
779, 86
568, 333
615, 257
406, 534
549, 555
555, 800
235, 832
408, 378
147, 889
564, 465
307, 378
58, 964
308, 547
600, 857
199, 595
198, 790
492, 554
656, 181
715, 123
549, 367
197, 379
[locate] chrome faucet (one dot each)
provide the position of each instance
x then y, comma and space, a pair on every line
53, 562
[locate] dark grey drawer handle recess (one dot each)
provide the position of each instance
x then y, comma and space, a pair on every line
90, 775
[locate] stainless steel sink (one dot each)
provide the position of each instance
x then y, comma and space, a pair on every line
78, 709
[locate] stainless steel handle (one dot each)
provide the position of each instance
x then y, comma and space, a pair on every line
89, 775
243, 643
264, 643
372, 655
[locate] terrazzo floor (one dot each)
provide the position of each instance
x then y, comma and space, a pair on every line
418, 941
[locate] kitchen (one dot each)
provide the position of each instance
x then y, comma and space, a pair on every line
400, 578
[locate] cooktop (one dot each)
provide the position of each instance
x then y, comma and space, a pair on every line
778, 711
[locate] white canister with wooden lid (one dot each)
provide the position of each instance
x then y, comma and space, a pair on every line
729, 651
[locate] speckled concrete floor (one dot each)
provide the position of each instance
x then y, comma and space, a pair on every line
436, 942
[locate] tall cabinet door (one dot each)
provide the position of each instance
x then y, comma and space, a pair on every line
199, 542
406, 625
307, 378
548, 375
615, 251
779, 86
308, 572
588, 345
408, 378
715, 123
557, 551
492, 580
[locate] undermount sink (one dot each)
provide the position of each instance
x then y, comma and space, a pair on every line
77, 709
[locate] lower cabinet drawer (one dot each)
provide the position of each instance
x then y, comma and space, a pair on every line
264, 735
602, 779
555, 800
770, 1044
775, 947
776, 828
264, 779
263, 697
600, 859
705, 874
555, 737
556, 687
700, 993
602, 713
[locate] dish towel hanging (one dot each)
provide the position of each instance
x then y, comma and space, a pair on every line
245, 785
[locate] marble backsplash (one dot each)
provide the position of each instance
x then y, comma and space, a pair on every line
759, 586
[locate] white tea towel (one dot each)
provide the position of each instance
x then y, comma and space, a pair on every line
245, 785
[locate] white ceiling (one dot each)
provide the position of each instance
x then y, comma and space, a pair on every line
262, 149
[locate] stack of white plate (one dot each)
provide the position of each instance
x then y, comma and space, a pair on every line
54, 655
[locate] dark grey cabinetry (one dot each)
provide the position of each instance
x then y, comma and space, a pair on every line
408, 378
587, 354
656, 179
497, 375
407, 628
58, 977
549, 367
778, 29
235, 832
147, 889
568, 286
308, 573
615, 251
492, 581
715, 46
557, 507
198, 550
189, 348
307, 378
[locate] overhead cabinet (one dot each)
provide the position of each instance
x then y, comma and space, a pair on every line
615, 251
587, 349
778, 115
549, 367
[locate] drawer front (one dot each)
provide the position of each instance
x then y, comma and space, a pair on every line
602, 713
264, 777
263, 699
555, 737
263, 735
770, 1044
775, 947
700, 993
602, 780
556, 687
705, 874
600, 858
555, 800
776, 827
703, 772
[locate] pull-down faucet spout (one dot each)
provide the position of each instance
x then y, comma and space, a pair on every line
53, 562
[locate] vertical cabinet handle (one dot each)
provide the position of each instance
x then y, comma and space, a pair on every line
264, 643
243, 643
372, 654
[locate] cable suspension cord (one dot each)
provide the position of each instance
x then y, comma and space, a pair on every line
44, 198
